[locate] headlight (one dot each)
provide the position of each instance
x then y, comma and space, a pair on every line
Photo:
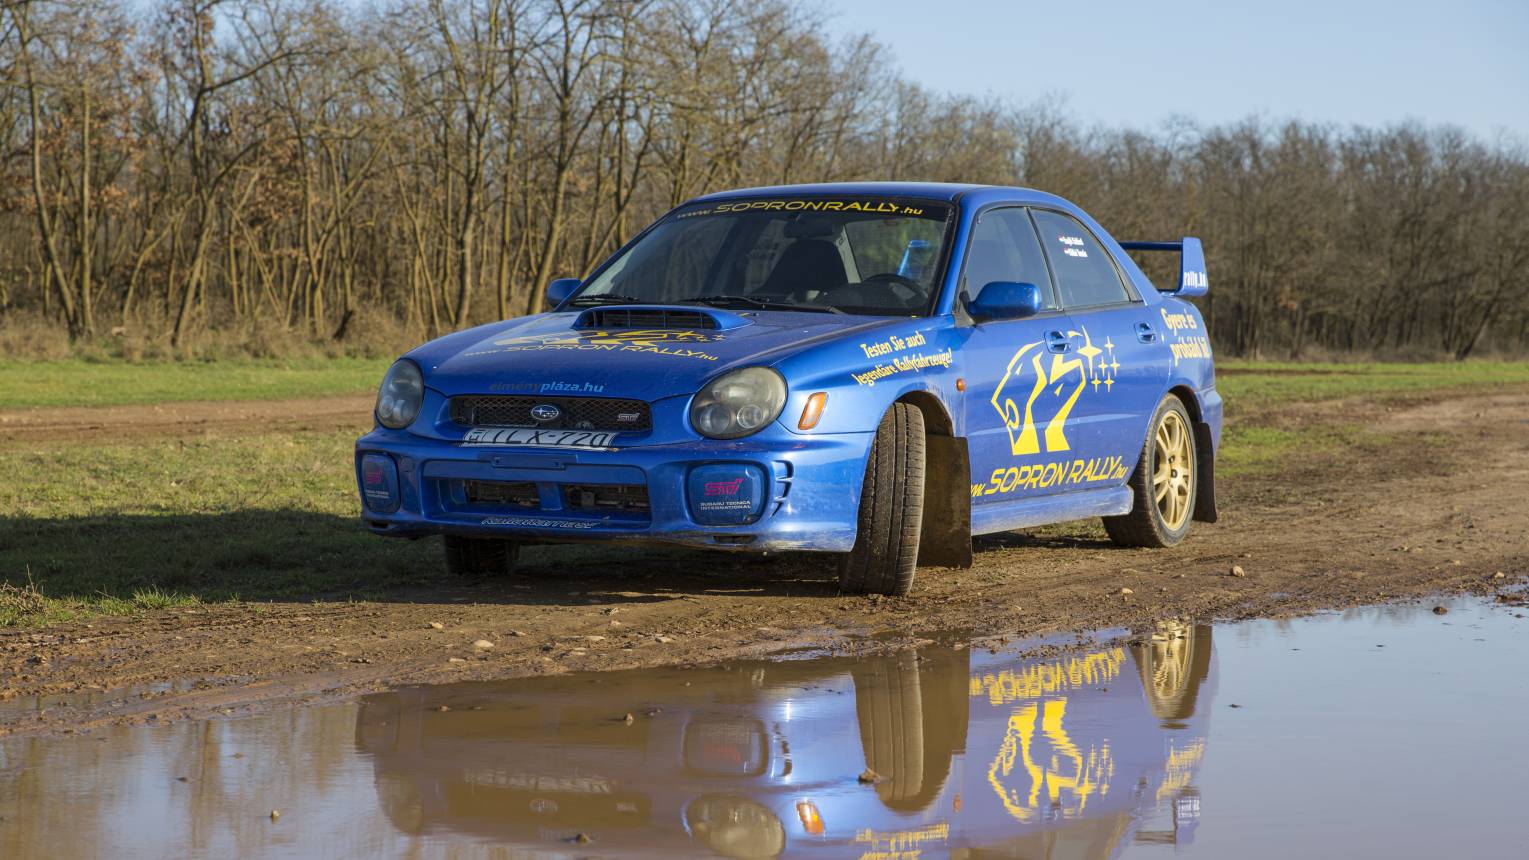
739, 403
398, 401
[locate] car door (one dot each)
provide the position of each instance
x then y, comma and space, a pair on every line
1119, 347
1019, 375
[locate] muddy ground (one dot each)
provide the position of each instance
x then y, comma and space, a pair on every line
1428, 497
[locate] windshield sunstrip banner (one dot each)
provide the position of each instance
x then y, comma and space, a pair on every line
866, 206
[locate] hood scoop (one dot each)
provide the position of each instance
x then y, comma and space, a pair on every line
658, 317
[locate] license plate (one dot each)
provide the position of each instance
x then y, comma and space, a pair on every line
539, 438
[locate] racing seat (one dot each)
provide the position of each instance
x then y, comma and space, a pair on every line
806, 264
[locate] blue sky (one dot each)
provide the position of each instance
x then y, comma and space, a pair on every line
1461, 62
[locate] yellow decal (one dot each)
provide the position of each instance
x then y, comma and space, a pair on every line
1040, 476
1056, 676
671, 342
875, 206
1181, 767
908, 362
1094, 366
1030, 762
1185, 345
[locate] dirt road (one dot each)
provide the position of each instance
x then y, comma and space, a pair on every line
113, 423
1428, 497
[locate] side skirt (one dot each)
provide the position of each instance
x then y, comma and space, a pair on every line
1027, 513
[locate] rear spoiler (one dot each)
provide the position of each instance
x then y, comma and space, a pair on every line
1192, 280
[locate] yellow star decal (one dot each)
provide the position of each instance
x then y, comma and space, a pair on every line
1109, 384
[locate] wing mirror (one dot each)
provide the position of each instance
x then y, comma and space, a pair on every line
559, 290
1005, 300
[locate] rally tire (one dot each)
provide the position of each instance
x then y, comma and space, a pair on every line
885, 555
1167, 465
480, 557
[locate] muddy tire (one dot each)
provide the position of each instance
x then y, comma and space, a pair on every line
885, 556
1163, 485
479, 557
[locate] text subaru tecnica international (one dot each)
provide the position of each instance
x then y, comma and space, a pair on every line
875, 370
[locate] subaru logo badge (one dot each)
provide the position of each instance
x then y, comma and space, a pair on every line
545, 412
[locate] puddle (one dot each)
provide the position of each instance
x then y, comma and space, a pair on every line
1388, 731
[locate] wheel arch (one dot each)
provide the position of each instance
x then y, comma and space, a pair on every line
1205, 454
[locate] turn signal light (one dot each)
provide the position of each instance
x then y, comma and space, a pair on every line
812, 411
812, 822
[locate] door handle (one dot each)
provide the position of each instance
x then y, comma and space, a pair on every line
1145, 334
1056, 341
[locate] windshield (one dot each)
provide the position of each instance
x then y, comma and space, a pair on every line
858, 255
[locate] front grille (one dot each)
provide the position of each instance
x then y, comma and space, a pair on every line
519, 494
620, 497
573, 413
644, 318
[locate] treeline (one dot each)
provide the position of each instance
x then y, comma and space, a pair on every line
355, 174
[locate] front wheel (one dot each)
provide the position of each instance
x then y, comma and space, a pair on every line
478, 557
1163, 485
885, 555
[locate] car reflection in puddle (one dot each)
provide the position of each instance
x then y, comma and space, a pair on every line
968, 755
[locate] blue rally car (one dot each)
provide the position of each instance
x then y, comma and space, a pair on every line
878, 370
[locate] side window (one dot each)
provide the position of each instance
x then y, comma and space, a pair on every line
1004, 248
1085, 274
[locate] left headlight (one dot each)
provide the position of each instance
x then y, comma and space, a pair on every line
738, 403
402, 392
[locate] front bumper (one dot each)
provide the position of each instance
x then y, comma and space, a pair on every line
811, 491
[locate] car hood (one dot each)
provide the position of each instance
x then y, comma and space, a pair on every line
645, 352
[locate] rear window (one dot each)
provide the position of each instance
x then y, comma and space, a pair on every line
1085, 274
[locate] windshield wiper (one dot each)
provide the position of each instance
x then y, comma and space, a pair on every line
607, 299
723, 301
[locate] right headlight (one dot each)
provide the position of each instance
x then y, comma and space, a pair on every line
738, 403
402, 392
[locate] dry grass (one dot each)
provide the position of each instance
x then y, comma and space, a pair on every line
20, 600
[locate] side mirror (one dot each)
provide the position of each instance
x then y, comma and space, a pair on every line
1006, 300
559, 290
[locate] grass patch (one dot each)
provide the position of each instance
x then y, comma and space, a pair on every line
78, 382
119, 529
1252, 390
1273, 383
1255, 450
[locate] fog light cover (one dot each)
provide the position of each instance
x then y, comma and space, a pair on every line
379, 483
727, 494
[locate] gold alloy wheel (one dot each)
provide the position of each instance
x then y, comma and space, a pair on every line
1174, 462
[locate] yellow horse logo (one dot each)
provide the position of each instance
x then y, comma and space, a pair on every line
1094, 366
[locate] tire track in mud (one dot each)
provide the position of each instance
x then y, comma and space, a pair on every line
1428, 499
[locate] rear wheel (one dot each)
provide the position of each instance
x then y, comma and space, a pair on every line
1163, 485
471, 556
885, 556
